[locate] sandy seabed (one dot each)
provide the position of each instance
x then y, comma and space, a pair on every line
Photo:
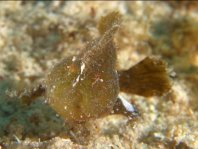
36, 35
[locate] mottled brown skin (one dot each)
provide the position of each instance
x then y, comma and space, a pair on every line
108, 21
148, 78
86, 86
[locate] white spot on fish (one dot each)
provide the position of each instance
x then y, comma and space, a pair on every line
77, 80
73, 59
129, 107
82, 68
